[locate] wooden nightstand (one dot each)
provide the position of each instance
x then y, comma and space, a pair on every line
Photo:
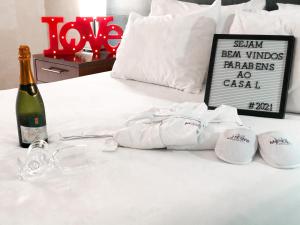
49, 69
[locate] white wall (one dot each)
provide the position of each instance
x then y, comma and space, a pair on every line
124, 7
19, 24
69, 9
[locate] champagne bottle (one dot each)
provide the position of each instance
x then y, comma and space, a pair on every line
30, 111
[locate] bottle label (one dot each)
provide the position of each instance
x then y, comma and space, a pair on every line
30, 134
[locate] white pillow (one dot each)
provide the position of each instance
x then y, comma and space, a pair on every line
292, 20
258, 23
166, 50
163, 7
228, 12
292, 7
275, 22
175, 8
224, 19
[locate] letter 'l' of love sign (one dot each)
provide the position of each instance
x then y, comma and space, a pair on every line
105, 33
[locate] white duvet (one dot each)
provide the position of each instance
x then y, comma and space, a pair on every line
139, 187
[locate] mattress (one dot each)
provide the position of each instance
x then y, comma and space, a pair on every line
133, 186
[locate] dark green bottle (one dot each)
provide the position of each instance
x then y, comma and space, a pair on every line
30, 111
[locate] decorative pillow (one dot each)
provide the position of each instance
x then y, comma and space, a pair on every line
281, 22
224, 20
166, 50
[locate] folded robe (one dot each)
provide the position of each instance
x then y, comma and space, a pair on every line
185, 126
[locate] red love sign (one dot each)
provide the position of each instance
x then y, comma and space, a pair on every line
105, 33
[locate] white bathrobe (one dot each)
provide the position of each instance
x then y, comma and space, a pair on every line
185, 126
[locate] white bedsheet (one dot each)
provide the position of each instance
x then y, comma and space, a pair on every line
139, 187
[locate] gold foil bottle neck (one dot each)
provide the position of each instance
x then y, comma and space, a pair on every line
24, 52
26, 76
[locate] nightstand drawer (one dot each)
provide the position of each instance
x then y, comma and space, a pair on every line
49, 71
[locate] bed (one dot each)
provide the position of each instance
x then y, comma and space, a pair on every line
133, 186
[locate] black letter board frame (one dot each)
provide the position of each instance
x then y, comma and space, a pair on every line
286, 76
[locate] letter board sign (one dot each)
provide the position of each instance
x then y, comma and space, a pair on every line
251, 73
